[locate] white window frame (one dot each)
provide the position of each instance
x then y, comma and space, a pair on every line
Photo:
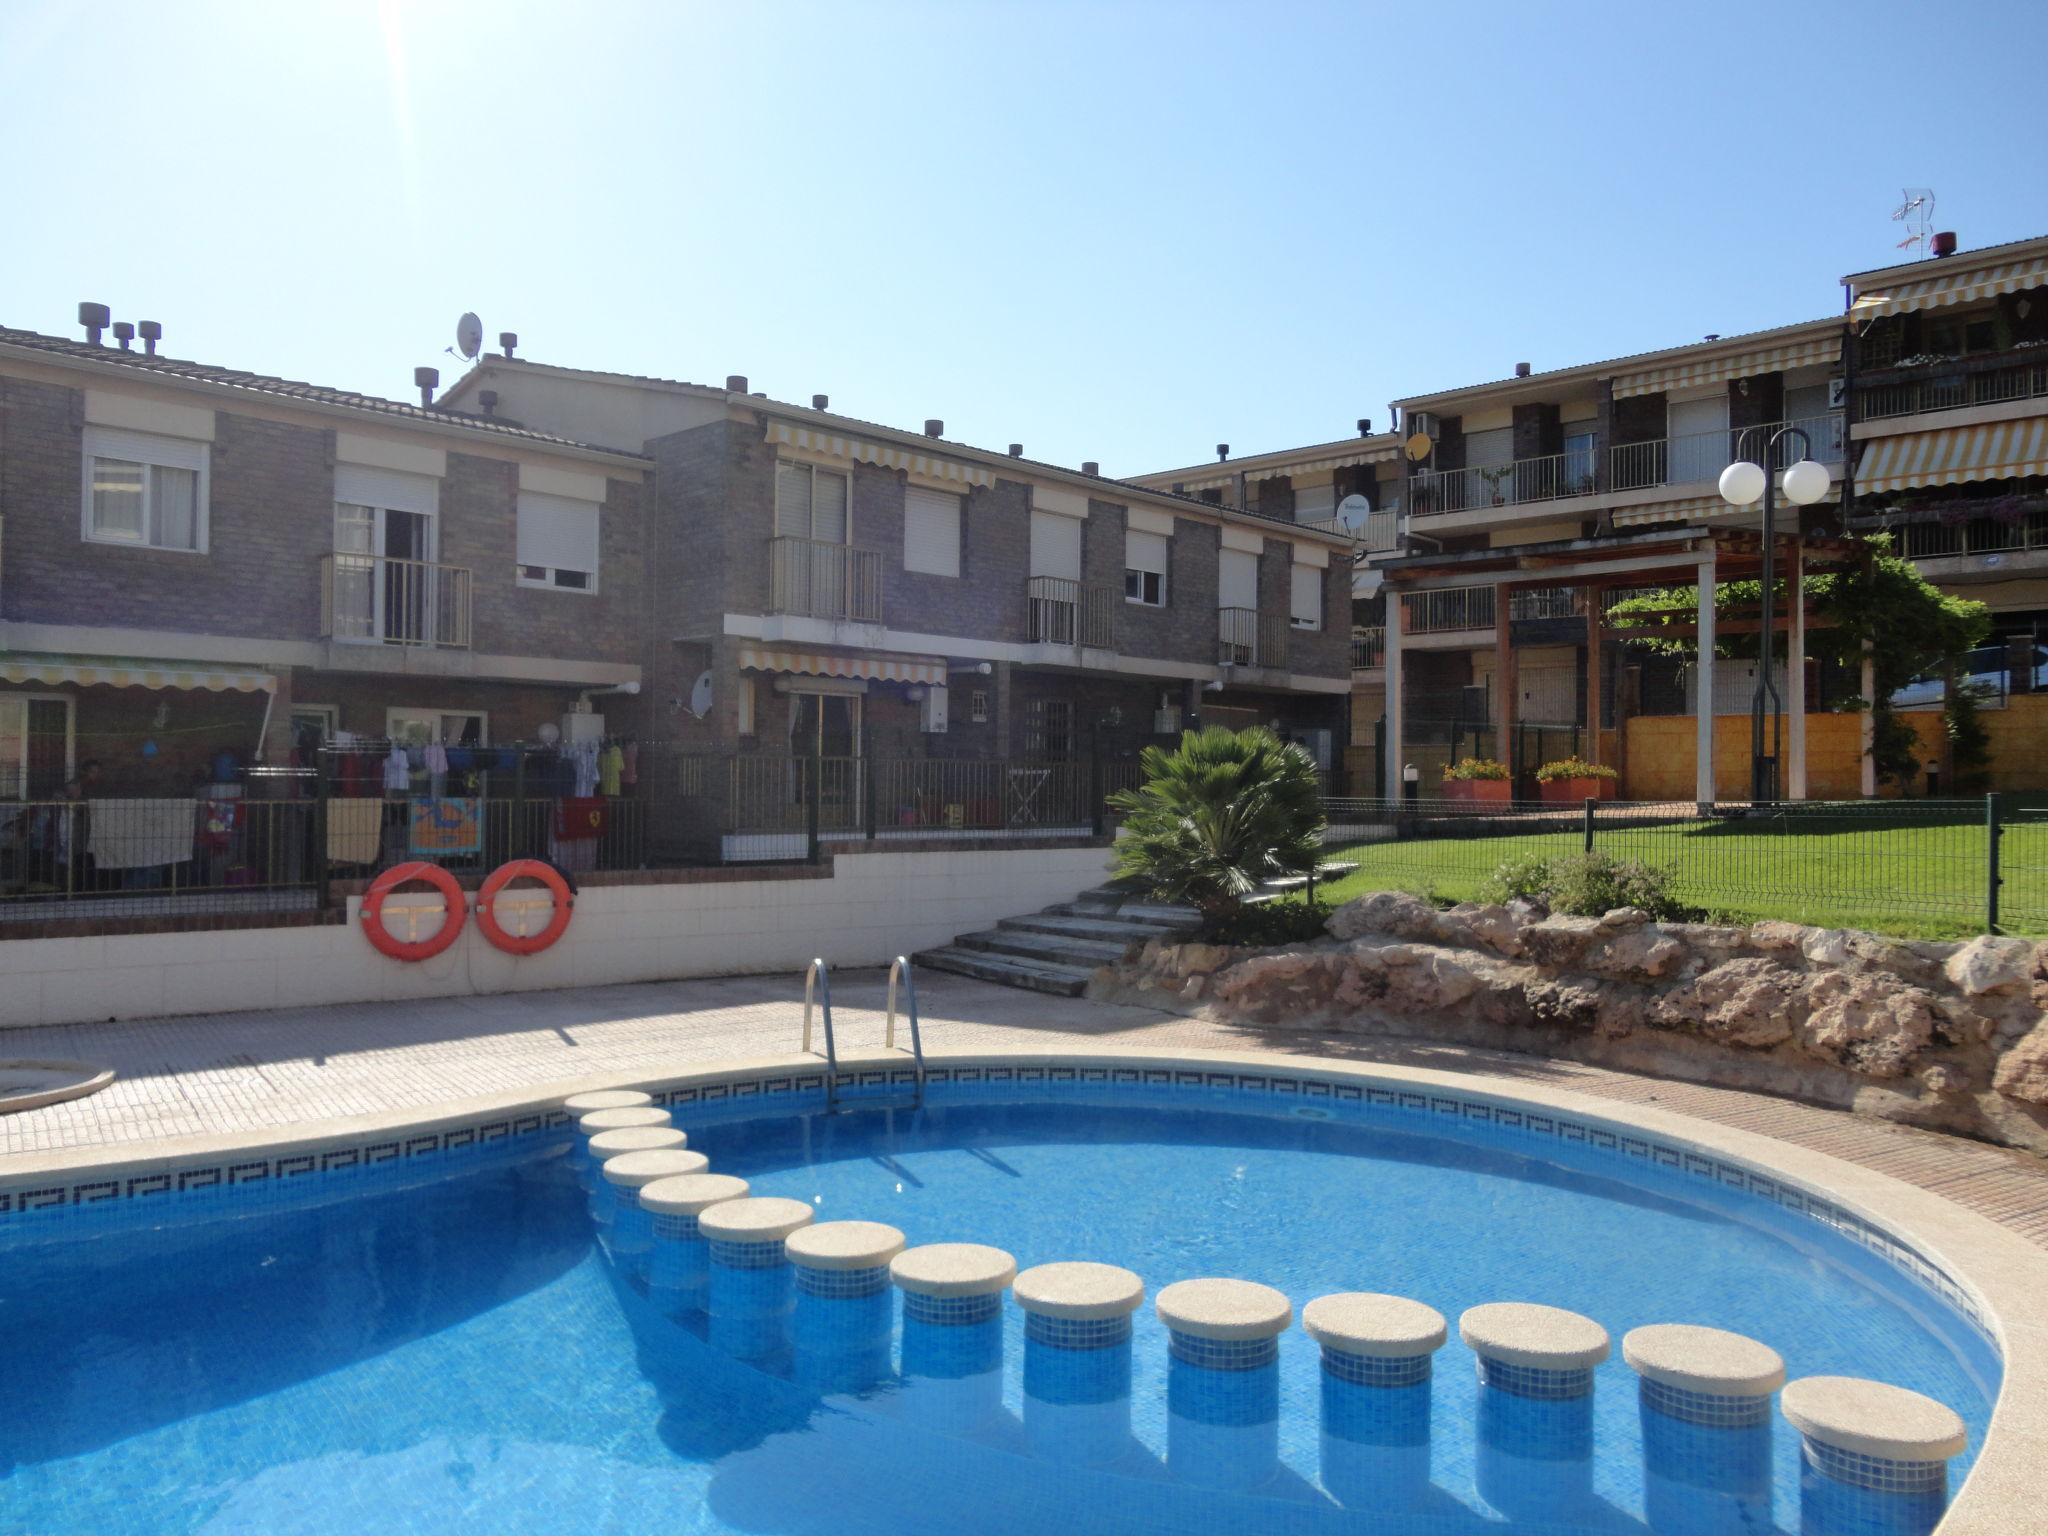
152, 451
959, 531
549, 577
396, 712
1295, 620
70, 737
812, 471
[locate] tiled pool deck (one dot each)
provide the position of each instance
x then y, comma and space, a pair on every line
215, 1075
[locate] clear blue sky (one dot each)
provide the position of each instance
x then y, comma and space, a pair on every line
1119, 232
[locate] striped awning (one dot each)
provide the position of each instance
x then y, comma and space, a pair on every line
1225, 474
1952, 455
1825, 348
122, 672
1688, 509
888, 456
1964, 287
930, 670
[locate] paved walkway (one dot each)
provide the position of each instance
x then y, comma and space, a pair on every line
254, 1071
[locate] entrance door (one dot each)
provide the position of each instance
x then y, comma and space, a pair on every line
827, 725
382, 580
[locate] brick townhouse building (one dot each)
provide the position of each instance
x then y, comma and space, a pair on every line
199, 563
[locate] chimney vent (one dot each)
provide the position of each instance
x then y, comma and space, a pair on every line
1180, 487
95, 318
151, 333
819, 402
1944, 243
735, 383
1521, 370
1091, 467
1016, 450
427, 379
508, 342
488, 399
1222, 452
1711, 336
933, 427
1365, 426
124, 333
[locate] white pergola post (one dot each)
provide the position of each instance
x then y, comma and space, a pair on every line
1703, 691
1396, 623
1795, 674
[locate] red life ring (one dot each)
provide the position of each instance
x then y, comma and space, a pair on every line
454, 910
487, 906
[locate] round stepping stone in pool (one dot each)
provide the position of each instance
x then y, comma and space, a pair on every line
690, 1194
1373, 1339
1704, 1375
843, 1245
1534, 1351
1078, 1305
754, 1219
606, 1145
1224, 1325
636, 1170
1871, 1419
577, 1105
598, 1121
952, 1283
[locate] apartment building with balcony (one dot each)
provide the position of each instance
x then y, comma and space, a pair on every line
1948, 384
821, 585
199, 561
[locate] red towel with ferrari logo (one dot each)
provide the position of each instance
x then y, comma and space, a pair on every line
575, 819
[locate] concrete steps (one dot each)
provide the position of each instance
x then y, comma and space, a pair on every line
1082, 927
1058, 950
1044, 946
1010, 971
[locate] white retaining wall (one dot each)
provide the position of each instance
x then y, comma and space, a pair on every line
873, 907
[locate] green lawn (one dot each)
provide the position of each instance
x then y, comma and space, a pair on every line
1915, 876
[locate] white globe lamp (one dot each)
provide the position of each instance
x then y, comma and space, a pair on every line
1742, 484
1803, 484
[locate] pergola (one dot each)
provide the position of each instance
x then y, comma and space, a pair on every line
1649, 558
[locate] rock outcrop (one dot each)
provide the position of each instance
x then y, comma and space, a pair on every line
1950, 1036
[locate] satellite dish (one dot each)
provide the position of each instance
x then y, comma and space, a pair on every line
700, 695
1352, 512
1419, 446
469, 336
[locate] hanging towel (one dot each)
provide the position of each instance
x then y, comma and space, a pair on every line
610, 764
630, 774
437, 757
142, 834
577, 819
586, 769
397, 771
355, 831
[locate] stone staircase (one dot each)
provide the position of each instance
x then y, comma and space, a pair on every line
1059, 949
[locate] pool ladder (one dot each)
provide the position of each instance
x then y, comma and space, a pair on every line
818, 994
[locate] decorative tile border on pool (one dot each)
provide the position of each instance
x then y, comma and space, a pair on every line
507, 1137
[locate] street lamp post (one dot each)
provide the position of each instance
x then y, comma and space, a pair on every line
1742, 483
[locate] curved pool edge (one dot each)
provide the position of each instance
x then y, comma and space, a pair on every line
2005, 1273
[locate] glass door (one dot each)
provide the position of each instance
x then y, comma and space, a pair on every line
382, 582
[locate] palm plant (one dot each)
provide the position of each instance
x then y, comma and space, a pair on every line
1219, 815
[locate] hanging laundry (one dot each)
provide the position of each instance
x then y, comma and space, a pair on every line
579, 819
437, 757
611, 763
585, 757
397, 770
629, 774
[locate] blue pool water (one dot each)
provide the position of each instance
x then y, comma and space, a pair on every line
459, 1356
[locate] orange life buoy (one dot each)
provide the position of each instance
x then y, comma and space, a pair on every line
487, 906
454, 910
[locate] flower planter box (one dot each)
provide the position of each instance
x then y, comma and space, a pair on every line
1480, 791
1576, 791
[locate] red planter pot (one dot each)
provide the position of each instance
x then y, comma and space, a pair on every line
1577, 791
1481, 791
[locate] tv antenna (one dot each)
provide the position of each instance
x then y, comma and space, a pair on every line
469, 338
1916, 212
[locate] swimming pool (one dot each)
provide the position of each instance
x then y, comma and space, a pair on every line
433, 1343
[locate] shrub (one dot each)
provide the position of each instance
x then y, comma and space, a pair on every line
1467, 768
1588, 885
1573, 768
1265, 923
1218, 816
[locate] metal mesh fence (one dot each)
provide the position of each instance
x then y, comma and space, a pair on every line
1928, 867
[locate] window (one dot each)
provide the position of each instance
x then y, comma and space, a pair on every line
1145, 568
1055, 545
1315, 503
810, 503
145, 490
931, 532
1305, 606
977, 706
450, 727
35, 745
558, 542
1049, 731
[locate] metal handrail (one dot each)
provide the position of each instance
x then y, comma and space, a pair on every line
816, 972
900, 966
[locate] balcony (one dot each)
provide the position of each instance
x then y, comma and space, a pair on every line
1368, 646
1452, 608
1951, 384
1247, 638
1701, 456
1547, 603
814, 579
1062, 612
377, 600
1978, 536
1548, 478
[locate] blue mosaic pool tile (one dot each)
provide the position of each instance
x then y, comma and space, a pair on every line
841, 1283
952, 1311
1875, 1472
1713, 1409
1533, 1381
1376, 1370
1077, 1332
731, 1255
1222, 1354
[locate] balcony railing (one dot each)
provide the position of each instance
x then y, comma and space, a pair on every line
1547, 603
819, 580
1452, 608
1368, 646
1062, 612
1979, 536
1503, 485
377, 600
1701, 456
1247, 638
1970, 384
